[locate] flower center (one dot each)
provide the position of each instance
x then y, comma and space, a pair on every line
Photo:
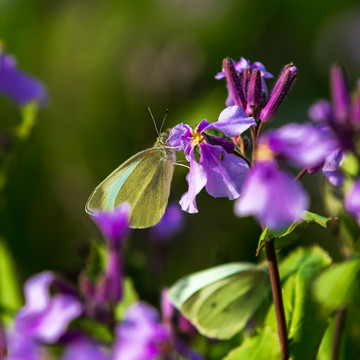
196, 138
263, 153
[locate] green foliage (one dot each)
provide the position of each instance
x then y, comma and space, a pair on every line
291, 234
10, 290
339, 285
305, 321
263, 345
129, 297
219, 301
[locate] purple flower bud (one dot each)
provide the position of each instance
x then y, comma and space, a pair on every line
114, 224
339, 92
235, 88
19, 86
109, 290
278, 93
321, 112
352, 200
254, 94
355, 106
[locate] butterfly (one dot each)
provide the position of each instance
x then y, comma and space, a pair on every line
219, 301
143, 181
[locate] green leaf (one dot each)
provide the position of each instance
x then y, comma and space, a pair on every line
293, 232
339, 285
130, 297
306, 321
10, 290
219, 301
263, 345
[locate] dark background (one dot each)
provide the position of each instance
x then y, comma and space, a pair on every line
104, 63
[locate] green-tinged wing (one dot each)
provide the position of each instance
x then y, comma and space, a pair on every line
143, 181
220, 301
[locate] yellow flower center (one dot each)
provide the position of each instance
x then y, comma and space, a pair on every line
196, 138
263, 153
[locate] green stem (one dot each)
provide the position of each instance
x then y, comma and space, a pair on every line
277, 298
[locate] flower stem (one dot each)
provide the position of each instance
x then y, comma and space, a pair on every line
340, 320
277, 298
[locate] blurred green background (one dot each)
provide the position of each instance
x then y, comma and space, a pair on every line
104, 63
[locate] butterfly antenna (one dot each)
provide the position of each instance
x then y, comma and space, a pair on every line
162, 124
153, 119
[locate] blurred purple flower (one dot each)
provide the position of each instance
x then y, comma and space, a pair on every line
171, 223
301, 145
272, 196
140, 336
218, 170
331, 167
83, 349
45, 317
19, 86
352, 200
23, 347
114, 224
173, 318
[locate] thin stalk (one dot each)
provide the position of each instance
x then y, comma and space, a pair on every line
339, 326
278, 300
300, 174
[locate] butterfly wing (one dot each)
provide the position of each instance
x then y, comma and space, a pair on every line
143, 181
219, 301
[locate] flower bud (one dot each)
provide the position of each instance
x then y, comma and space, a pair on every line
339, 92
234, 84
254, 90
278, 93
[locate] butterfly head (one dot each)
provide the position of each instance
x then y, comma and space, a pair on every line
162, 140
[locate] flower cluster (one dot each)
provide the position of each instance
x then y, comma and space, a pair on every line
223, 167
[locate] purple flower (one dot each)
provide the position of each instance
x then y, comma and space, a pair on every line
171, 223
17, 85
83, 349
301, 145
173, 318
272, 196
352, 200
114, 224
141, 336
242, 65
45, 317
21, 347
331, 167
218, 170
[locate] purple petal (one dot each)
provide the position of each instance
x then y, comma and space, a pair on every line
321, 111
20, 87
83, 349
180, 137
196, 179
51, 323
114, 224
225, 173
272, 196
227, 145
171, 223
232, 121
331, 167
340, 92
352, 200
22, 347
301, 144
140, 336
265, 74
45, 317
